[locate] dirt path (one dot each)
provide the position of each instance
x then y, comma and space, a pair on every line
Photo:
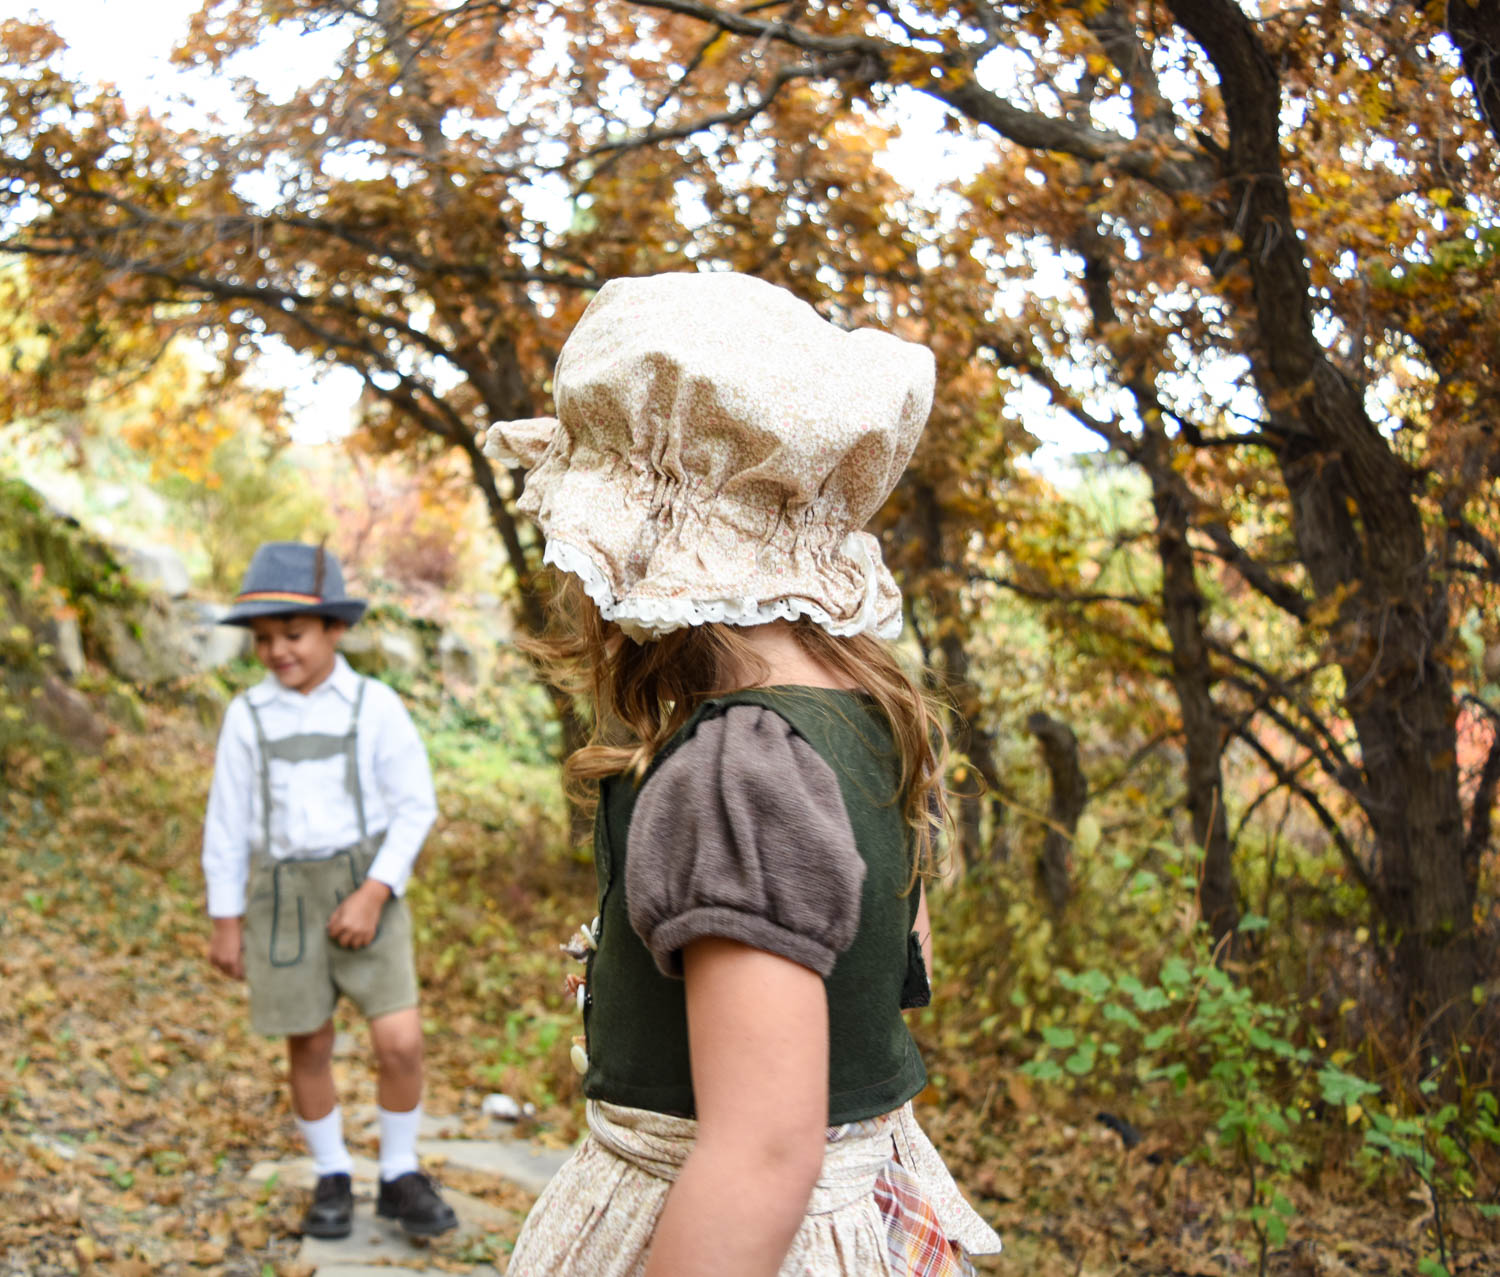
143, 1128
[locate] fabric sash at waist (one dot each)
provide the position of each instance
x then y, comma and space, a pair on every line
659, 1144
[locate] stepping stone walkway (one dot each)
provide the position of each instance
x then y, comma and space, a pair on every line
378, 1247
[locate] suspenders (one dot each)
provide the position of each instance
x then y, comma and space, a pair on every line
306, 747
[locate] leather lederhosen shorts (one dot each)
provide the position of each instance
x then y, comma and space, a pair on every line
295, 971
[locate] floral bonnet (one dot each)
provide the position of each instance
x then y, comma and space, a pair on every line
717, 450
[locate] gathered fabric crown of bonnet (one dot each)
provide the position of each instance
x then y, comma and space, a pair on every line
717, 450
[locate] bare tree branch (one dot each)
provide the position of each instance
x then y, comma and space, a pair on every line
825, 69
1462, 530
1208, 522
1334, 765
1255, 574
1137, 757
1165, 163
1288, 779
1069, 597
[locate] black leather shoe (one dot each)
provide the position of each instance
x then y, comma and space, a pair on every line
332, 1211
413, 1200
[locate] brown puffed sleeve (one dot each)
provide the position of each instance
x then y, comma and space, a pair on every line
742, 834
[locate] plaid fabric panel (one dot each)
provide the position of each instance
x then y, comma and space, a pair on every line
914, 1238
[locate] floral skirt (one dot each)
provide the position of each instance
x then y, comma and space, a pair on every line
884, 1204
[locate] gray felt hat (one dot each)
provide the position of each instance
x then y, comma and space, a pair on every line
287, 578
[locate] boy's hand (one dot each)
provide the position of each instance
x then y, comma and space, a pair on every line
226, 947
354, 922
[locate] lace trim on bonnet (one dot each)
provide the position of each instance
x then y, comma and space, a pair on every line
646, 619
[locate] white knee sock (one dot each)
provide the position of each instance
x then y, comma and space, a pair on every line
325, 1141
398, 1141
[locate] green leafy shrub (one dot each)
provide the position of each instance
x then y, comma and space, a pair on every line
1197, 1030
1272, 1097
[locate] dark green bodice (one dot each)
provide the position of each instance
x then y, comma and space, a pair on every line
635, 1017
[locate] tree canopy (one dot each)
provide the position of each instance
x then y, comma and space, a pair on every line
1251, 249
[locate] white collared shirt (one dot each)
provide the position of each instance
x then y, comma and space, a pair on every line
312, 812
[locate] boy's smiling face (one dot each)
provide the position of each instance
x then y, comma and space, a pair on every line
298, 650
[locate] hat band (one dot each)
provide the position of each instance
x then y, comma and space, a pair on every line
277, 596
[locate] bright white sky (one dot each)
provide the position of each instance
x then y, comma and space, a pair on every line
128, 41
109, 39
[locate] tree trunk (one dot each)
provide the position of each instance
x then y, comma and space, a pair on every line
1070, 793
981, 792
1359, 531
965, 738
1192, 680
1182, 613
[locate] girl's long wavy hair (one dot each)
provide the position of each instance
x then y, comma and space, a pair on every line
641, 694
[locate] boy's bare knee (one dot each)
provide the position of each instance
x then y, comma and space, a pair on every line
401, 1057
398, 1044
311, 1050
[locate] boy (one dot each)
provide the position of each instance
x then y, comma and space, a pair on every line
321, 799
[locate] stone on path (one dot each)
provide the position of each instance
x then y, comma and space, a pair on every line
519, 1162
441, 1137
374, 1241
378, 1247
377, 1241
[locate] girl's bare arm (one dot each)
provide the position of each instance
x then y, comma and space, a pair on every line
758, 1034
